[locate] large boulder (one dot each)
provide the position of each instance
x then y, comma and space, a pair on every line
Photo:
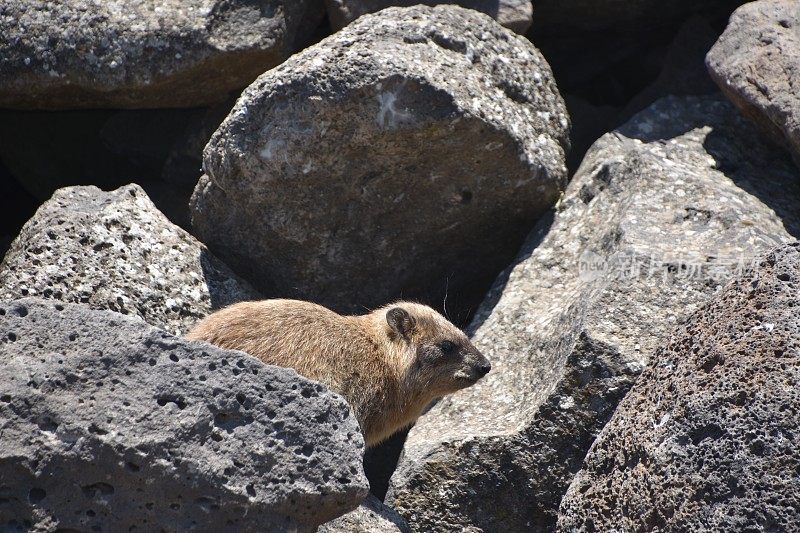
116, 251
756, 63
513, 14
707, 439
659, 214
118, 53
110, 424
409, 152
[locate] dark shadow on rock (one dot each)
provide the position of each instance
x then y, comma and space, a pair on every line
607, 75
16, 206
762, 169
223, 287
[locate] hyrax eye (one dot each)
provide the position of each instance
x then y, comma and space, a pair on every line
446, 346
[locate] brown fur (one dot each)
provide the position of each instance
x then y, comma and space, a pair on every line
388, 364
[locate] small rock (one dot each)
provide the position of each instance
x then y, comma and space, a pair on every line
116, 251
372, 516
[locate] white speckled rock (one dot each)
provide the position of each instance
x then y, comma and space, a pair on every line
513, 14
115, 250
659, 214
756, 63
142, 53
410, 151
707, 439
112, 425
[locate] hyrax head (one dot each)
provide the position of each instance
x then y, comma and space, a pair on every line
439, 356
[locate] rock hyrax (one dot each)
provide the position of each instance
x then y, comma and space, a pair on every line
388, 364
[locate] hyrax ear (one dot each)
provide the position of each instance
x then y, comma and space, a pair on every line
400, 321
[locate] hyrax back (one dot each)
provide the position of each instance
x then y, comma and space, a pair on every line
388, 364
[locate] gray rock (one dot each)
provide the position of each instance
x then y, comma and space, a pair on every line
124, 53
513, 14
110, 424
411, 151
116, 251
372, 516
707, 439
685, 192
756, 63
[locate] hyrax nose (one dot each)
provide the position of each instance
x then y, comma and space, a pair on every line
484, 368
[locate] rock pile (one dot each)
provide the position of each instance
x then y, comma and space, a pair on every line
661, 212
116, 251
185, 155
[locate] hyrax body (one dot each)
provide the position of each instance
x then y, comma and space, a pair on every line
388, 364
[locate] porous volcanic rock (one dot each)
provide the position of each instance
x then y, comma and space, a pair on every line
409, 152
659, 214
111, 424
143, 54
116, 251
756, 63
513, 14
707, 439
372, 516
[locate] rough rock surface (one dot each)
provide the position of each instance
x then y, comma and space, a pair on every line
372, 516
707, 439
756, 63
513, 14
115, 250
684, 192
410, 151
110, 424
141, 53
